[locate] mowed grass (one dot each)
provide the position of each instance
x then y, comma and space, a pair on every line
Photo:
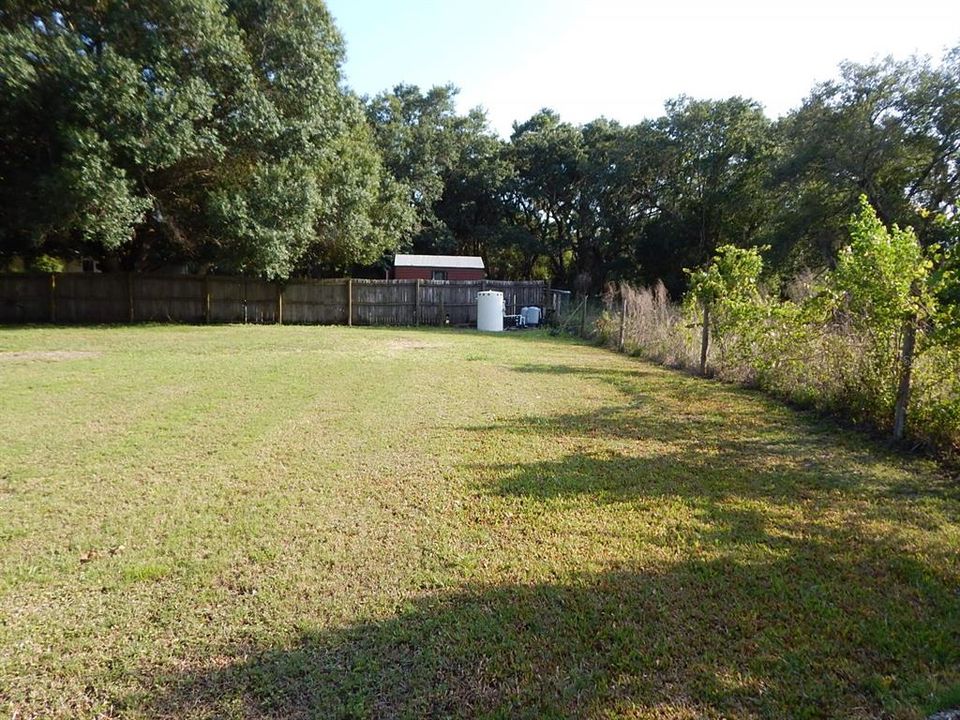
340, 522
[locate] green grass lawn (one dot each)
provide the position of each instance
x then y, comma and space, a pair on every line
341, 522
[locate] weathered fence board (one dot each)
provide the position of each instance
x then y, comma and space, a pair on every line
158, 298
127, 297
26, 298
226, 299
262, 302
315, 302
384, 302
517, 295
89, 298
443, 301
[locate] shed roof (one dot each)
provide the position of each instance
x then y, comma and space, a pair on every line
439, 261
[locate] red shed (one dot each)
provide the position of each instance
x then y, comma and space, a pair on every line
438, 267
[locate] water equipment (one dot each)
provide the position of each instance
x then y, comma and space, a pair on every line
531, 316
490, 311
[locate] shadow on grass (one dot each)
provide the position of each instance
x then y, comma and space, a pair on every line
626, 381
765, 619
763, 612
717, 438
702, 639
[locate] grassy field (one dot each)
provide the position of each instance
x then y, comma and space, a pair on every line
339, 522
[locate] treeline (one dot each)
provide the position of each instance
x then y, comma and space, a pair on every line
582, 205
219, 134
210, 132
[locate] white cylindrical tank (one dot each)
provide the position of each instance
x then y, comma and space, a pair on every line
490, 311
531, 316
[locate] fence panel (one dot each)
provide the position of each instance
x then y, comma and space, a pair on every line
89, 298
518, 295
164, 298
25, 298
443, 300
226, 299
124, 297
384, 302
315, 302
262, 302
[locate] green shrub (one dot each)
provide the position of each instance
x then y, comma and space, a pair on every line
838, 348
46, 264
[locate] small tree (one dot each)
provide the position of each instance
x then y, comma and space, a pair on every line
724, 291
882, 285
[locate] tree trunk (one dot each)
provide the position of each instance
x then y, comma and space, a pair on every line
906, 369
705, 339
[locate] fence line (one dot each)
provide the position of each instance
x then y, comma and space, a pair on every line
93, 298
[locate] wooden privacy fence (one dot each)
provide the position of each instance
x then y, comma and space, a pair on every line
91, 298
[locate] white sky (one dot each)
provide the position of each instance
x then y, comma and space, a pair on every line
623, 59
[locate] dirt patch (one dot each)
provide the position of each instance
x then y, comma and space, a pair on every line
47, 355
412, 345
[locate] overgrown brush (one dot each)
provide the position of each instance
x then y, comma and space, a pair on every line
653, 326
876, 340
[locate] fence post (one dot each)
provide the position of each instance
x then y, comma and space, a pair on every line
903, 387
53, 297
705, 339
279, 304
416, 310
442, 320
623, 318
583, 317
349, 301
130, 295
206, 299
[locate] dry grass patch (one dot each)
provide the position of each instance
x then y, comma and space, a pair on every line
47, 355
